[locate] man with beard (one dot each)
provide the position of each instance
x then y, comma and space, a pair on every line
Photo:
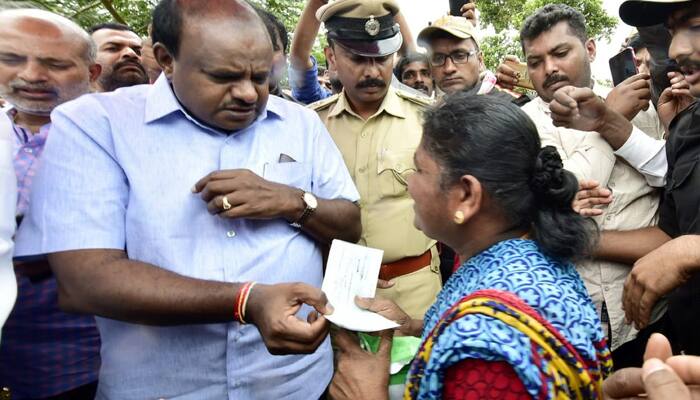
45, 61
377, 129
413, 70
119, 55
558, 53
661, 266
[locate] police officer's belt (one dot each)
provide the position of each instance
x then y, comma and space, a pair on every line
405, 266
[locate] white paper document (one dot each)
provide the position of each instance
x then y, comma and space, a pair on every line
351, 271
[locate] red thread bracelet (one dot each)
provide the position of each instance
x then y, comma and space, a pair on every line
241, 302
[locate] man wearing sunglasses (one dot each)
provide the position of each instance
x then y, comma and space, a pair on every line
456, 62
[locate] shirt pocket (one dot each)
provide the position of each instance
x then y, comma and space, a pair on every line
393, 169
294, 174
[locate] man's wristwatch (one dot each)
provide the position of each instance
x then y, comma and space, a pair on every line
311, 204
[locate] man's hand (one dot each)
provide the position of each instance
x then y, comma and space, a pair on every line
506, 76
581, 109
655, 275
589, 195
662, 376
249, 196
360, 374
577, 108
273, 308
631, 96
469, 12
674, 99
628, 383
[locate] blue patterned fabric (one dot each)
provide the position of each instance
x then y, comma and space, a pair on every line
552, 289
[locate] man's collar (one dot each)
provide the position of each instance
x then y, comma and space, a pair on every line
161, 101
391, 105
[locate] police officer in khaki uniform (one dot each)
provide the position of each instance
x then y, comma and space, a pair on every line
377, 129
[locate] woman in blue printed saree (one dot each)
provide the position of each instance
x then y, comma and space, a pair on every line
514, 321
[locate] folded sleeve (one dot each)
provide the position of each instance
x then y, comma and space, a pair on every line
305, 86
647, 155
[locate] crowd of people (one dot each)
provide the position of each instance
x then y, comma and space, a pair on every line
167, 205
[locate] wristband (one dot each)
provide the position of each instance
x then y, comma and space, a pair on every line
239, 306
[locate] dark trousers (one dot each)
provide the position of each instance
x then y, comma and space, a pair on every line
85, 392
631, 354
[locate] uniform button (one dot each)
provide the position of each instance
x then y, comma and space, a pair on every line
363, 134
606, 288
363, 170
231, 234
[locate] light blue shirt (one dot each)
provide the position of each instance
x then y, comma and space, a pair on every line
117, 173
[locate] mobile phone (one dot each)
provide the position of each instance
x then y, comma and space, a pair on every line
524, 80
623, 65
456, 7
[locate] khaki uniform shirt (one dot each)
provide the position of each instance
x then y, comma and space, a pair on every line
379, 154
635, 204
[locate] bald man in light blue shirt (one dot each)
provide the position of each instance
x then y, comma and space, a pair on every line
156, 203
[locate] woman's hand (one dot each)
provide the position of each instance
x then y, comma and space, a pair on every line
389, 310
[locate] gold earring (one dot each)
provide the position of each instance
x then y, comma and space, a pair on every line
459, 218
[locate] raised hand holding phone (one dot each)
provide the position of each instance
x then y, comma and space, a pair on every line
623, 65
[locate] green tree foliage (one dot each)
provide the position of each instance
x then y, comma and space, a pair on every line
496, 47
287, 11
507, 17
510, 14
135, 13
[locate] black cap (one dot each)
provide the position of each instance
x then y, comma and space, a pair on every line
649, 12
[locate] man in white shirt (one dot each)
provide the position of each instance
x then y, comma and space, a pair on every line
558, 53
8, 198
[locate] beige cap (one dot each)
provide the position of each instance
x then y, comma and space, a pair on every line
458, 27
357, 9
365, 27
649, 12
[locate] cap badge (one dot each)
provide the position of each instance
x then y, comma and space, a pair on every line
372, 26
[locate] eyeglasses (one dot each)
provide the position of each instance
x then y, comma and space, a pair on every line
457, 57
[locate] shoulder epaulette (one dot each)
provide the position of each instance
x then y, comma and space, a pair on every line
325, 103
421, 100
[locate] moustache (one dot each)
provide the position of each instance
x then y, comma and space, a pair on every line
420, 85
21, 84
240, 105
130, 63
371, 82
554, 78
